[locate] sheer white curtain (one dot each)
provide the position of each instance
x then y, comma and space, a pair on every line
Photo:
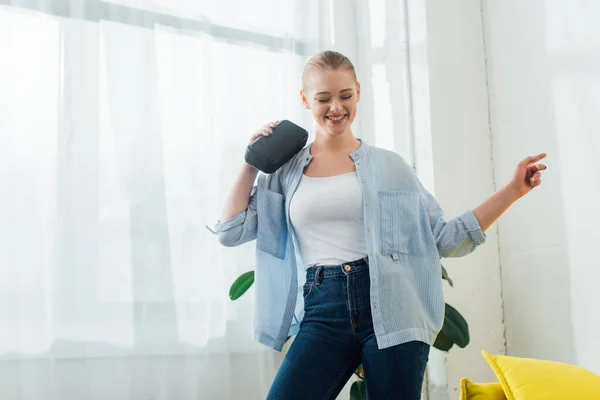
122, 126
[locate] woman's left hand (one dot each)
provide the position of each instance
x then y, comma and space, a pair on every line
527, 175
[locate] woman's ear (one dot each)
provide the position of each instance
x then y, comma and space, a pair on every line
305, 101
357, 92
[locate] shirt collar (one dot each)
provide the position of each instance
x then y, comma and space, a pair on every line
356, 155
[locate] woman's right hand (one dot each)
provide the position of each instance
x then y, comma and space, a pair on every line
264, 131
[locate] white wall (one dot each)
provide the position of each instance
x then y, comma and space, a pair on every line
505, 80
544, 83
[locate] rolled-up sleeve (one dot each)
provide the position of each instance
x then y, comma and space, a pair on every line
240, 228
456, 237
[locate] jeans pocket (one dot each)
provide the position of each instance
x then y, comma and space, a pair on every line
400, 226
308, 289
271, 235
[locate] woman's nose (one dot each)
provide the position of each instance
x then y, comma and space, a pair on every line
335, 106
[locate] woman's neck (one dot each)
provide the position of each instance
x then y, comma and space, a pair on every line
345, 143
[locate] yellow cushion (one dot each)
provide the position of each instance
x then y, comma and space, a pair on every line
480, 391
529, 379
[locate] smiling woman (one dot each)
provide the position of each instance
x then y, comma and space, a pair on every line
331, 91
115, 116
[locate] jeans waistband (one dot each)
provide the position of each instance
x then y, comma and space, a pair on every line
320, 272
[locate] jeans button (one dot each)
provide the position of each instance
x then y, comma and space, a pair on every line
347, 268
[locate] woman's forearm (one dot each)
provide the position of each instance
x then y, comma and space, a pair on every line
239, 196
491, 209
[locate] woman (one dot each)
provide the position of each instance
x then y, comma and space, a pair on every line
369, 237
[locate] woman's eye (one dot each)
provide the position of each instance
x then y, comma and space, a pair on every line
327, 100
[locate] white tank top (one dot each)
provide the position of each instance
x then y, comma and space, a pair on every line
327, 215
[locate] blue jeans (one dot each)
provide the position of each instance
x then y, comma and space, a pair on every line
336, 335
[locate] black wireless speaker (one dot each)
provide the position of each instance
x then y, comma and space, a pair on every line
269, 153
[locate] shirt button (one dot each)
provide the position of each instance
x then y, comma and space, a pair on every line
363, 181
368, 229
367, 203
374, 305
347, 268
371, 254
373, 279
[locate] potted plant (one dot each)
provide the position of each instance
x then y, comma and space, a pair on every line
455, 330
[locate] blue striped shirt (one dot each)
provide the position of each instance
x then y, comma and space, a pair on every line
405, 232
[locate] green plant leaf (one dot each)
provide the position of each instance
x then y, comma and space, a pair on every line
442, 342
358, 391
241, 285
358, 371
446, 276
456, 327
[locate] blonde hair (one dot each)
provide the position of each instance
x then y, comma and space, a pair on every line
325, 60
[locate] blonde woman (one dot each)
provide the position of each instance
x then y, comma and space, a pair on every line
369, 238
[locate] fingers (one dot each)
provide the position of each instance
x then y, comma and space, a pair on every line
268, 128
536, 179
538, 167
265, 130
533, 159
258, 134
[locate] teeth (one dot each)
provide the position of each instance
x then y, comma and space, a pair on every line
336, 118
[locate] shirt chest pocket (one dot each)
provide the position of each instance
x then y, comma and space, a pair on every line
271, 235
401, 227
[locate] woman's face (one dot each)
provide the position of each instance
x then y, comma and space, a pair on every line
332, 97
